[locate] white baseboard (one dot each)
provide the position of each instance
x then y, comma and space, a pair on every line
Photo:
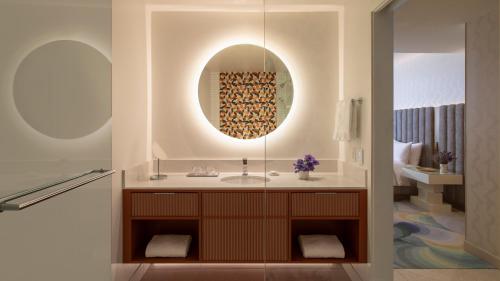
482, 254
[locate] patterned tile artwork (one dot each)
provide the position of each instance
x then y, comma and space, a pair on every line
247, 104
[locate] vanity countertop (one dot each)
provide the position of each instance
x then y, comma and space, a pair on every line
283, 181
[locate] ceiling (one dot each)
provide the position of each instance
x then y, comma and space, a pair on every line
434, 26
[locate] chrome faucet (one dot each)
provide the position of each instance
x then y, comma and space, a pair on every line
245, 167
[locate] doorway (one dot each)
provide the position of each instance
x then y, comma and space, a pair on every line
471, 14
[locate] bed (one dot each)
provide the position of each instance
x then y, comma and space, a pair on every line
413, 126
436, 129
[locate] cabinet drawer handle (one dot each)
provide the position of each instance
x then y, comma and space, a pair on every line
325, 193
165, 193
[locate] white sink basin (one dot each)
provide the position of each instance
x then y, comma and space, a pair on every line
245, 179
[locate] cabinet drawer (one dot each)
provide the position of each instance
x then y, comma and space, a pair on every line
245, 204
325, 204
233, 204
165, 204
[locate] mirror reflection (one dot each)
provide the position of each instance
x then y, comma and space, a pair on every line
245, 91
58, 83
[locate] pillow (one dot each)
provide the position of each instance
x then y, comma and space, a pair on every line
402, 152
415, 153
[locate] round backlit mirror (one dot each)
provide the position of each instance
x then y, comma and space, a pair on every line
245, 91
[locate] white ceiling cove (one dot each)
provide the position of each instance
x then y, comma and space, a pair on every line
433, 26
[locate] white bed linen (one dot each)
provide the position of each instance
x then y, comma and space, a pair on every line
399, 179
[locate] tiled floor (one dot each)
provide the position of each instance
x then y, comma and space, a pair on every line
245, 273
296, 272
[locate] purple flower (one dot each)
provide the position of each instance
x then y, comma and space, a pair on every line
306, 164
445, 157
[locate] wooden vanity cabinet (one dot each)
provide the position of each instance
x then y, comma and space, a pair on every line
235, 228
244, 226
155, 211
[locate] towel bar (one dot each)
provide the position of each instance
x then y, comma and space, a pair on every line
5, 206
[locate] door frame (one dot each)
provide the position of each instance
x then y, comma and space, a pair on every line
382, 138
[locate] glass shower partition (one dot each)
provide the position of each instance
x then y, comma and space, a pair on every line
208, 124
311, 202
55, 118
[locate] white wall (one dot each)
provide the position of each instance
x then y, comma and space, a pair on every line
482, 135
428, 79
129, 101
183, 42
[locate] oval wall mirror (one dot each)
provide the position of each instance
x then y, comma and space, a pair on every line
63, 89
245, 91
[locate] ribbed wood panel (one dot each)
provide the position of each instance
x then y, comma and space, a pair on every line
276, 247
233, 240
319, 204
277, 204
233, 204
166, 204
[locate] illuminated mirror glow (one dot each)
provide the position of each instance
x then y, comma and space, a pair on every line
245, 91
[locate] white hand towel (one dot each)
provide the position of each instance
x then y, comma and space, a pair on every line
168, 246
321, 246
346, 120
355, 119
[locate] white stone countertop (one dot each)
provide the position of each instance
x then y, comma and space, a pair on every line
283, 181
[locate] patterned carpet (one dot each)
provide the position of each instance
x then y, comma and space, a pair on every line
427, 240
